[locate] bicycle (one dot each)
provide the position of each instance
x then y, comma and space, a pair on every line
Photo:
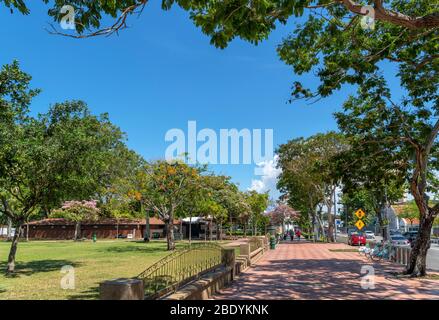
383, 251
365, 250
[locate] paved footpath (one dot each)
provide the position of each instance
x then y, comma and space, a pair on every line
313, 271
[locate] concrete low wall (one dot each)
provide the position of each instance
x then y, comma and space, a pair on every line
253, 256
200, 289
205, 287
211, 283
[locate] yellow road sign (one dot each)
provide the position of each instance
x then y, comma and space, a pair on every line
360, 224
360, 214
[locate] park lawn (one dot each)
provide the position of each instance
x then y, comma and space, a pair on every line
39, 265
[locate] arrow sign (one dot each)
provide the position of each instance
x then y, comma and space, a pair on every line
360, 214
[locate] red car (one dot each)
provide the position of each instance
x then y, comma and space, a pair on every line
357, 239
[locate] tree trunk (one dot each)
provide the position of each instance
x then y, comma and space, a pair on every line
147, 235
11, 258
77, 231
8, 235
384, 227
330, 227
181, 229
313, 223
231, 225
170, 234
218, 227
331, 217
190, 229
418, 257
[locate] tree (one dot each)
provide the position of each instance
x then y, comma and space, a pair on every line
404, 136
252, 21
297, 181
281, 213
372, 179
212, 210
308, 178
410, 212
258, 203
78, 212
162, 189
46, 160
334, 43
225, 193
120, 198
196, 194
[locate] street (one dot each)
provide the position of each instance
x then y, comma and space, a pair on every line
432, 256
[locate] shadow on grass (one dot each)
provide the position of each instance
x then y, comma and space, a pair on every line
38, 266
91, 293
135, 248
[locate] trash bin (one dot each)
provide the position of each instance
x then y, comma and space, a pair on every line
94, 237
272, 243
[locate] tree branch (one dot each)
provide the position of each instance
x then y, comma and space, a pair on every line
431, 138
118, 25
397, 18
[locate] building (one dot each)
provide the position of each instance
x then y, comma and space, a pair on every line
61, 229
403, 224
4, 230
200, 228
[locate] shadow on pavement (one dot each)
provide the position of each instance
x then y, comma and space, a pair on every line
323, 279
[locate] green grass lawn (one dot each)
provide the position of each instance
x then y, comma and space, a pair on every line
39, 265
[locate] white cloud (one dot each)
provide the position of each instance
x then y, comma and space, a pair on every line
269, 174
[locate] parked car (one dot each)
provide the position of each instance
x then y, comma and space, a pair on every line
411, 236
357, 239
369, 235
395, 233
398, 240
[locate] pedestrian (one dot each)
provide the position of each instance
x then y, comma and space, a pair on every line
298, 234
292, 235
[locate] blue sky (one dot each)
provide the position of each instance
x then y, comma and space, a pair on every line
161, 73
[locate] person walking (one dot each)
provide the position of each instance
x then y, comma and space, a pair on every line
298, 234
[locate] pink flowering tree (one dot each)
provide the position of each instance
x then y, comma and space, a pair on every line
78, 212
282, 213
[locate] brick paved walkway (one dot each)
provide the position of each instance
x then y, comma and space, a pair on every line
312, 271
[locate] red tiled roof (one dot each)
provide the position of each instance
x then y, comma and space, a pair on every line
399, 209
104, 221
414, 221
